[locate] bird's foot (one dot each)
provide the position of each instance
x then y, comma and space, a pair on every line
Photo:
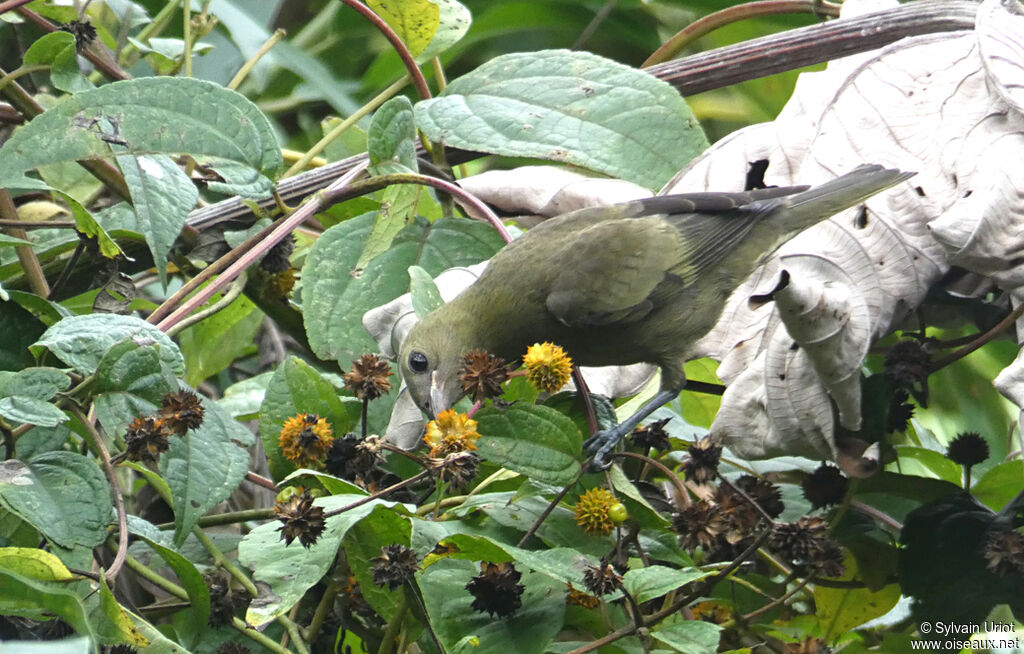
602, 443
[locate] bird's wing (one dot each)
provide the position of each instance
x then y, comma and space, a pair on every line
610, 269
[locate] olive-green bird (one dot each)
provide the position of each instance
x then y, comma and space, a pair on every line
635, 282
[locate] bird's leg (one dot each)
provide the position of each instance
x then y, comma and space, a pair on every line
603, 442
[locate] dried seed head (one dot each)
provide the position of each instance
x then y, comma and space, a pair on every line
146, 438
396, 565
968, 449
698, 525
182, 411
907, 364
300, 519
496, 590
602, 579
457, 469
482, 375
1004, 552
368, 378
826, 486
652, 436
701, 464
766, 494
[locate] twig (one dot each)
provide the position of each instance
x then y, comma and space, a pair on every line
999, 328
233, 294
547, 511
333, 195
665, 470
247, 253
390, 489
108, 468
260, 480
711, 22
247, 67
26, 254
702, 589
411, 66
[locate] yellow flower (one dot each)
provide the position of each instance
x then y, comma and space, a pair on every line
592, 511
451, 432
547, 366
306, 439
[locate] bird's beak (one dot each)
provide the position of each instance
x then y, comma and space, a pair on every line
438, 395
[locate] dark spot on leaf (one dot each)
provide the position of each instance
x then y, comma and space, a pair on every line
920, 191
755, 174
861, 221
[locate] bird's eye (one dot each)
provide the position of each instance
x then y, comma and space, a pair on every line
418, 361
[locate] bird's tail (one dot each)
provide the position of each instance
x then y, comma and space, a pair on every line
825, 200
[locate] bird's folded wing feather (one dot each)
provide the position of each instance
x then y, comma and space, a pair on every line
610, 269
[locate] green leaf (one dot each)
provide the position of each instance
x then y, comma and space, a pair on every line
81, 341
689, 636
205, 467
41, 383
334, 301
87, 224
528, 631
455, 22
213, 344
397, 210
27, 597
162, 196
62, 494
1000, 484
145, 116
653, 581
296, 388
19, 408
841, 610
639, 508
10, 241
190, 577
537, 441
363, 543
425, 296
392, 137
923, 462
291, 570
34, 564
20, 329
415, 21
135, 368
59, 51
243, 399
570, 107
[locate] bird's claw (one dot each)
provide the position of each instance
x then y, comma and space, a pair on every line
600, 445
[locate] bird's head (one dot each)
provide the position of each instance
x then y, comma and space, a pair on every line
430, 360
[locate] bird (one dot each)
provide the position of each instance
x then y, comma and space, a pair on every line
639, 281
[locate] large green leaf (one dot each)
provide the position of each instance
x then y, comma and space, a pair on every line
62, 494
162, 196
528, 630
291, 570
20, 329
570, 107
143, 116
190, 577
842, 610
204, 467
654, 581
334, 301
688, 636
214, 343
537, 441
81, 341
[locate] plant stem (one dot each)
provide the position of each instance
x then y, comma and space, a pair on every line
224, 562
711, 22
411, 66
247, 67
